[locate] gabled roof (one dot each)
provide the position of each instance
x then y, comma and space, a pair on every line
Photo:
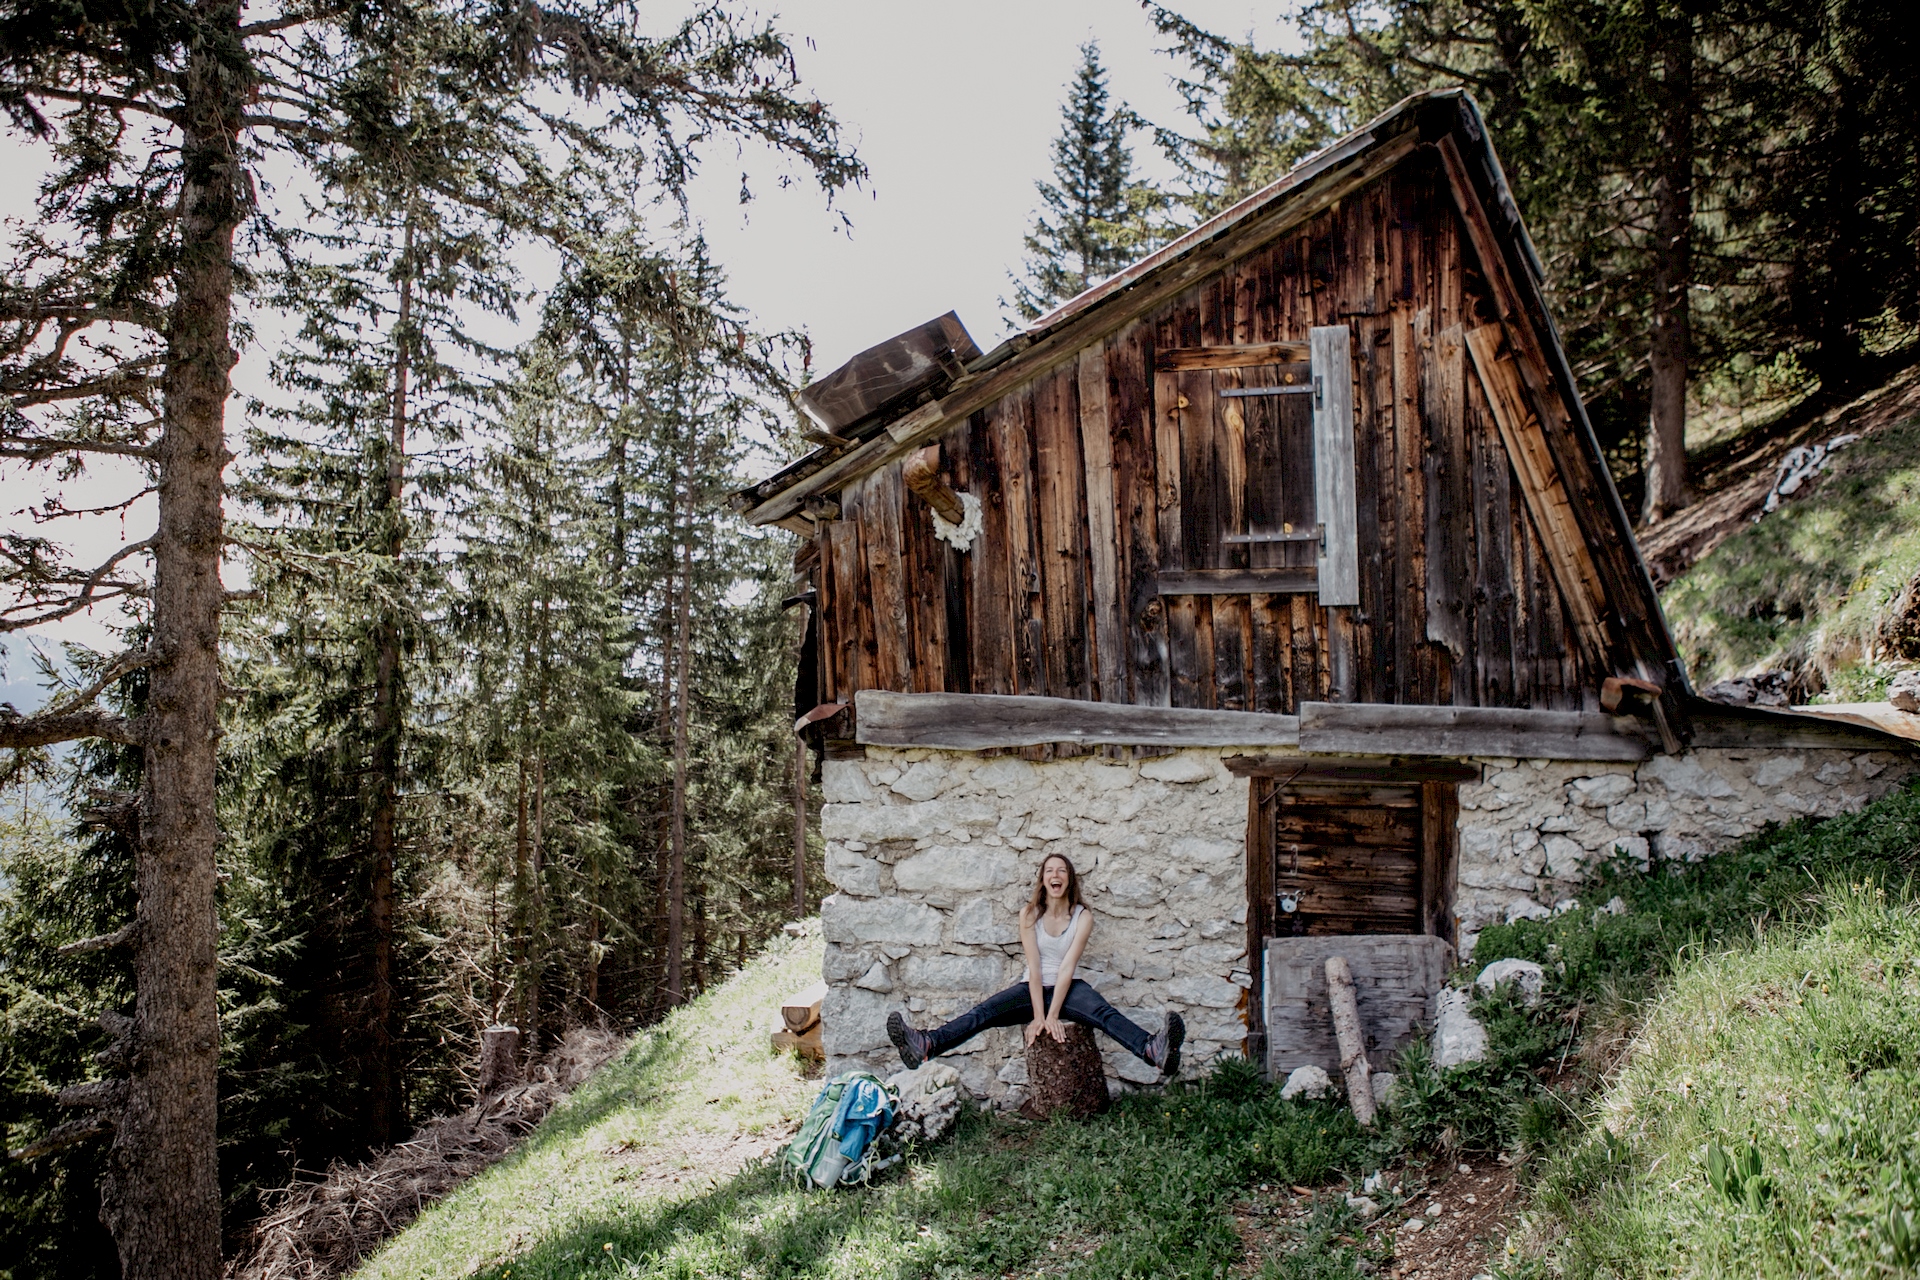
1569, 457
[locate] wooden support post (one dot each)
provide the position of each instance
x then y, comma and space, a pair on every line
1353, 1040
799, 827
922, 474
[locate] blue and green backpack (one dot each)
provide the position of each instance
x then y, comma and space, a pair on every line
835, 1143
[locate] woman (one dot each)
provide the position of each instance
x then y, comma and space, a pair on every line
1054, 928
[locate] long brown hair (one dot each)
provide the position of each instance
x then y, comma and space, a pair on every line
1039, 900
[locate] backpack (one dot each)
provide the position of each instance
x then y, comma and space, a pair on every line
835, 1142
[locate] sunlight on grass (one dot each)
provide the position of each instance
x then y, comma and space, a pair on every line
1808, 584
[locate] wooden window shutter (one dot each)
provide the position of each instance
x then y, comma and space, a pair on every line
1331, 348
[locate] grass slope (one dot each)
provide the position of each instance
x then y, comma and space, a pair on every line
1806, 588
1146, 1190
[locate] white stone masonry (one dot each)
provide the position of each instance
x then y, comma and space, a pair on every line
1532, 830
933, 853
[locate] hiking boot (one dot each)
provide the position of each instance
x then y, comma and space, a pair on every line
1163, 1051
911, 1043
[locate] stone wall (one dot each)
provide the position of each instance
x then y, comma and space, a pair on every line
1533, 829
933, 852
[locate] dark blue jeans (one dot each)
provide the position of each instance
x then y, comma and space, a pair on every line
1014, 1007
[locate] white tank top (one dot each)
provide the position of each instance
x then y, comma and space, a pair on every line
1053, 950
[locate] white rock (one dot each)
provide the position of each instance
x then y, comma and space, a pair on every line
844, 782
1458, 1036
1528, 978
879, 920
974, 923
929, 1101
1307, 1082
1015, 1072
1206, 990
852, 872
923, 780
875, 979
1686, 776
1634, 848
1138, 891
979, 976
1565, 858
1183, 768
1365, 1206
1616, 906
1598, 793
1775, 770
1384, 1083
1202, 852
1904, 691
1414, 1226
953, 870
1527, 909
1007, 776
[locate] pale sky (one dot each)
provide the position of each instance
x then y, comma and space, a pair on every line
953, 111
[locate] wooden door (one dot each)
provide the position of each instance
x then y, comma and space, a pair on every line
1346, 859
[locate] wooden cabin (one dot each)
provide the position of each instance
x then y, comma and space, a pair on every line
1296, 536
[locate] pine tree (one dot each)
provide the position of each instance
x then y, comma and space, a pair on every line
1094, 218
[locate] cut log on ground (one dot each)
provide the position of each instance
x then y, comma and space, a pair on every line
807, 1043
802, 1009
1066, 1077
1352, 1038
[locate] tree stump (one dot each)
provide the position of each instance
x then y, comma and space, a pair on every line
499, 1059
1066, 1077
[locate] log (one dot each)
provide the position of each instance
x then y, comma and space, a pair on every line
1352, 1040
1381, 729
1068, 1077
805, 1043
976, 721
801, 1010
499, 1059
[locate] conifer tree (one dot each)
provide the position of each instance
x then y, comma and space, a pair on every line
1094, 218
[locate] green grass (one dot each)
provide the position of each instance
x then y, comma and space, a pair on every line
1804, 1048
1143, 1191
1806, 587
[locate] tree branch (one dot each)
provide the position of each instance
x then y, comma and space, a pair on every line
109, 100
118, 938
59, 1138
19, 731
40, 448
86, 596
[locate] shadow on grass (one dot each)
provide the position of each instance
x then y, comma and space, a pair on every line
1142, 1191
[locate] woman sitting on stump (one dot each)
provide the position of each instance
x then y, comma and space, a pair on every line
1054, 928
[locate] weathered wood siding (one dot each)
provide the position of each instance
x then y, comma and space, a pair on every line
1106, 473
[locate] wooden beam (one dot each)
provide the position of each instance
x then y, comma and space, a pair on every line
1719, 725
1239, 582
922, 474
1544, 489
1382, 729
1103, 544
975, 391
1178, 358
1333, 473
979, 721
1382, 772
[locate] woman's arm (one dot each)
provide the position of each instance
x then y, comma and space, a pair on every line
1064, 979
1029, 918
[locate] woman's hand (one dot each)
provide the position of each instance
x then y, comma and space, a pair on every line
1033, 1029
1056, 1029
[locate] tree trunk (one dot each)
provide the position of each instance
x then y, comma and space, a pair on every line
1667, 483
799, 827
677, 865
161, 1194
1351, 1037
381, 1080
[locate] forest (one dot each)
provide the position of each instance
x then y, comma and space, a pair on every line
445, 690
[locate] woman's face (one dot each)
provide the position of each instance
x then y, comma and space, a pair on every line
1054, 876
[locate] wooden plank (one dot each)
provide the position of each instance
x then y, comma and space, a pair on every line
1233, 357
1103, 545
821, 627
1136, 486
1717, 725
1270, 677
956, 571
885, 495
1450, 515
1439, 857
1404, 597
888, 373
977, 722
1373, 728
1237, 582
1492, 507
1395, 977
1023, 569
990, 628
1542, 487
1333, 465
1232, 652
849, 584
924, 571
1259, 875
1202, 519
1303, 769
1060, 532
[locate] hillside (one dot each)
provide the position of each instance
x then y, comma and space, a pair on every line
1823, 588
